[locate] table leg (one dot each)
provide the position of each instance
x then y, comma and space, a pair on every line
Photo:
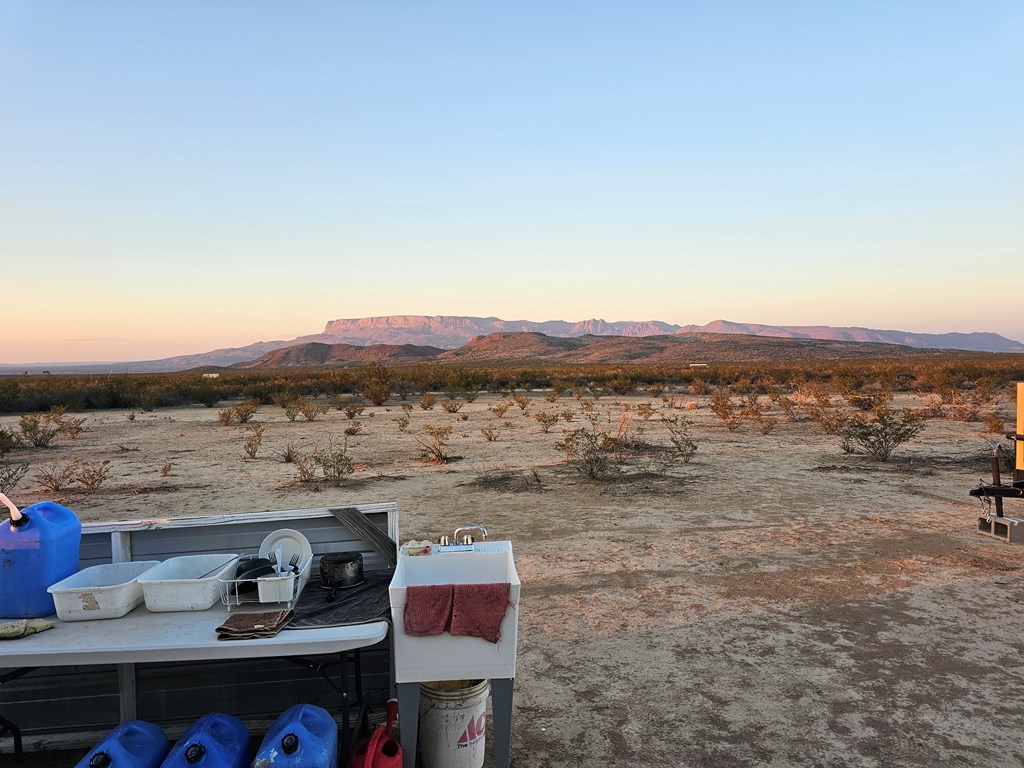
6, 726
408, 720
501, 707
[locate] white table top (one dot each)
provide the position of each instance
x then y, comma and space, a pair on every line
142, 637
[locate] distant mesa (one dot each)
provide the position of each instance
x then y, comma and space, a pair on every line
398, 339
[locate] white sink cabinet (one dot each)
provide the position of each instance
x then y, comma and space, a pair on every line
444, 657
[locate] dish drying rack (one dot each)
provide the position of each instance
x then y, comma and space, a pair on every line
280, 591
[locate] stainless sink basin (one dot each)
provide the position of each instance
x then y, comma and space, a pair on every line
444, 657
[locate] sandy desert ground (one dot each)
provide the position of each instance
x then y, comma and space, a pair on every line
775, 602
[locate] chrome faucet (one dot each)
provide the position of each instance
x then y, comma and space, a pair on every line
467, 538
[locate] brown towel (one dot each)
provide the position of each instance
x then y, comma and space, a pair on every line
427, 609
478, 609
250, 626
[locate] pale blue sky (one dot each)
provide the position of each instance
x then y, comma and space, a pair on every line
179, 176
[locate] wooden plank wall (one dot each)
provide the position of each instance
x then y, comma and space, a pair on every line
75, 706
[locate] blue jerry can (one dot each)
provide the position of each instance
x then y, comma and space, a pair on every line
38, 547
213, 741
305, 735
132, 744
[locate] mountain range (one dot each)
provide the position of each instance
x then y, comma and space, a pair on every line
353, 341
525, 347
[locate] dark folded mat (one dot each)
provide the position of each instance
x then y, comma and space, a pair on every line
251, 626
361, 604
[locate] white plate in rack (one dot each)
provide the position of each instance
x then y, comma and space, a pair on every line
291, 543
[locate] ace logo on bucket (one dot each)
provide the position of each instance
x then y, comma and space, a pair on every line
474, 731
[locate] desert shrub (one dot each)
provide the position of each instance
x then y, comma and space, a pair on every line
291, 411
245, 410
352, 409
469, 395
645, 411
68, 426
965, 412
620, 385
522, 399
869, 401
58, 477
92, 474
993, 423
239, 414
427, 401
402, 422
814, 399
699, 387
435, 443
751, 404
578, 392
407, 407
546, 420
764, 422
552, 395
310, 410
886, 432
490, 434
723, 407
282, 399
305, 469
165, 470
567, 414
626, 439
8, 441
38, 429
11, 475
289, 454
499, 409
584, 452
683, 446
253, 440
375, 383
450, 406
354, 428
335, 463
786, 405
655, 388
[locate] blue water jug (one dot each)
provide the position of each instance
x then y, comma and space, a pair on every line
213, 741
38, 548
132, 744
305, 735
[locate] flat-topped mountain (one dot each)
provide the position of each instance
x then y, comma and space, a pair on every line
451, 331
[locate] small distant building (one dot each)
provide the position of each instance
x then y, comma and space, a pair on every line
698, 365
211, 375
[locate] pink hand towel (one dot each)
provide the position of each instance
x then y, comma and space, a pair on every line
478, 609
427, 609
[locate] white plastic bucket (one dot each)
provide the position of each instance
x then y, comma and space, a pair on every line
452, 725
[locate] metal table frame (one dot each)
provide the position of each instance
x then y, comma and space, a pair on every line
143, 637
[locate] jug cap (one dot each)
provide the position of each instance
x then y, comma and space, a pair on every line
18, 518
